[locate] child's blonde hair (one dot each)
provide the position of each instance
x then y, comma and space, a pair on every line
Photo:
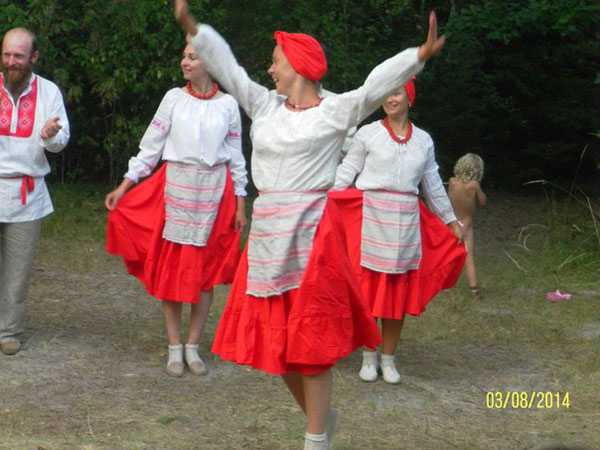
469, 167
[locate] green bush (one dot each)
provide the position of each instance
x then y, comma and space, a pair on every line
516, 83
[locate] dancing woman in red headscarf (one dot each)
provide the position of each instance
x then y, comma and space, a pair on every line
295, 307
403, 254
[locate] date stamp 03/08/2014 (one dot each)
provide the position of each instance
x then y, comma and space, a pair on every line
527, 400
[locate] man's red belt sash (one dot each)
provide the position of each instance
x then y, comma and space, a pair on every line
27, 185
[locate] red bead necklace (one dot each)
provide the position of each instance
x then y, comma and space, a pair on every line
302, 108
200, 95
393, 135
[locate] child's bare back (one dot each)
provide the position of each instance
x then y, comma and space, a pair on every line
465, 196
465, 193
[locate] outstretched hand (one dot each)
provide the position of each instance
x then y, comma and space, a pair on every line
433, 44
184, 17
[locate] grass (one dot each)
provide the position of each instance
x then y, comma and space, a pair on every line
81, 215
91, 376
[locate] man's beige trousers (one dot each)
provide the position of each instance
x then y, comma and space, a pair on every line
18, 243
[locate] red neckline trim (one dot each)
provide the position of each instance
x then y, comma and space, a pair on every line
393, 135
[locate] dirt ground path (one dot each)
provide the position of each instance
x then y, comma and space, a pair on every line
91, 373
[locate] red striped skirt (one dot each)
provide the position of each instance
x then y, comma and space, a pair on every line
168, 270
303, 330
391, 296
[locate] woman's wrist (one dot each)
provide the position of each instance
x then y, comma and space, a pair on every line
184, 17
190, 25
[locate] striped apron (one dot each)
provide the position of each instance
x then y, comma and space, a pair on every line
390, 236
281, 240
192, 198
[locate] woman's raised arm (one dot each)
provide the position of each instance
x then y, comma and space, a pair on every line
350, 108
218, 58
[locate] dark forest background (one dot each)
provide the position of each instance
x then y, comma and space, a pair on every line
518, 81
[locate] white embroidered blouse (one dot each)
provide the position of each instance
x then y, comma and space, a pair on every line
299, 151
192, 131
383, 164
293, 153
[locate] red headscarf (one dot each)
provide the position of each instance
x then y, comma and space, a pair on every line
411, 92
304, 54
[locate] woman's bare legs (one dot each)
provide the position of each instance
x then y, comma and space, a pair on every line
198, 315
317, 399
390, 331
313, 395
172, 314
293, 381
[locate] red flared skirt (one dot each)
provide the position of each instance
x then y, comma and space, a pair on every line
304, 330
168, 270
391, 296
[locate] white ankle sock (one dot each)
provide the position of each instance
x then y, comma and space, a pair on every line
191, 353
193, 360
316, 437
315, 441
175, 354
368, 370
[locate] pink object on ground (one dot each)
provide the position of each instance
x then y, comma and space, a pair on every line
558, 296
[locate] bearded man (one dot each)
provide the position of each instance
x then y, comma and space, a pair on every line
32, 119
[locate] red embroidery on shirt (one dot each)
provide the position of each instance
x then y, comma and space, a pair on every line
234, 134
5, 113
159, 125
26, 112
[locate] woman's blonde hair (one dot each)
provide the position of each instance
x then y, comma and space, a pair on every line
469, 167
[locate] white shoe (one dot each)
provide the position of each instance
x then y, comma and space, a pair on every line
333, 418
193, 360
175, 364
388, 367
368, 371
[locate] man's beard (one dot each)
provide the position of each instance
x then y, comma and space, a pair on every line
16, 79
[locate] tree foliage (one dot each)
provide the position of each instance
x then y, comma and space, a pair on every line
518, 80
517, 85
